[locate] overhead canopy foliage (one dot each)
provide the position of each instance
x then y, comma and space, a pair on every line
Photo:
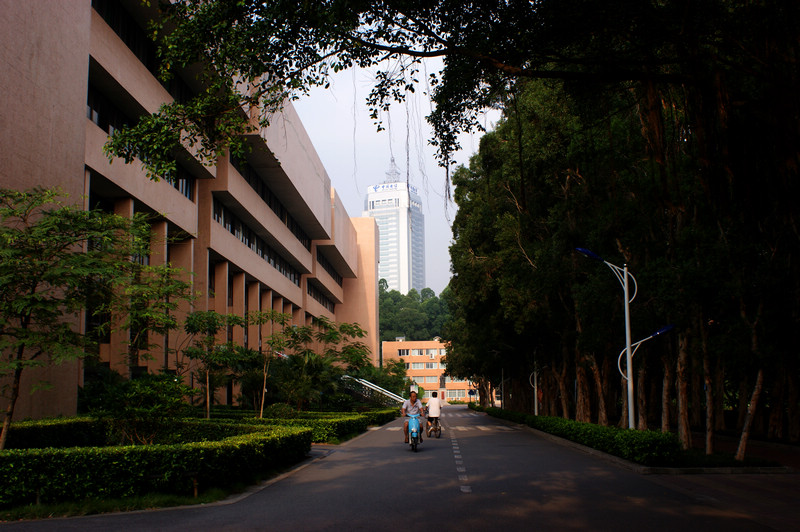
255, 54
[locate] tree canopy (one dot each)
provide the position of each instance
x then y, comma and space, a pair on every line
253, 54
414, 316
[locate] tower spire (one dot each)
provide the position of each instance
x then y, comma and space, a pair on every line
393, 174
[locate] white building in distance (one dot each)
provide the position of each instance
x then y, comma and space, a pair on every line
397, 209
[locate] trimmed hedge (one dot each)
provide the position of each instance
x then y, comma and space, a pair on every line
327, 426
323, 429
54, 475
57, 433
646, 447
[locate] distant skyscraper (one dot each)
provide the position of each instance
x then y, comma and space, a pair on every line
397, 209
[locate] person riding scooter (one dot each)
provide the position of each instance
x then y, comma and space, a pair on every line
412, 406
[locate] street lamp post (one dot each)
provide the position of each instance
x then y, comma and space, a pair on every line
622, 276
636, 345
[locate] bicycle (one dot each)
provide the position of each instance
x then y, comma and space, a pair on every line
435, 428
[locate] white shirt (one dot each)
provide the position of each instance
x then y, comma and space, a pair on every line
434, 407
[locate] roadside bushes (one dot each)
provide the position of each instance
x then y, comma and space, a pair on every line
58, 433
327, 426
245, 453
323, 429
646, 447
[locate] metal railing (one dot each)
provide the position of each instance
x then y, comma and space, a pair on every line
371, 391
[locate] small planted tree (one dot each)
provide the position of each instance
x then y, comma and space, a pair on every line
51, 257
204, 327
317, 357
145, 305
272, 344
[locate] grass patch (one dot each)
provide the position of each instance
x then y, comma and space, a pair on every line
101, 506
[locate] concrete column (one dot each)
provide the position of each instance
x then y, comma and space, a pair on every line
158, 359
253, 306
118, 345
181, 255
238, 297
221, 295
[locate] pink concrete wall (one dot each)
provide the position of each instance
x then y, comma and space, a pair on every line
44, 47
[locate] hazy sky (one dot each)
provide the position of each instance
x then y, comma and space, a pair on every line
356, 156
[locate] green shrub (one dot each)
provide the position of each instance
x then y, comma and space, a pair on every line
280, 410
646, 447
142, 410
57, 433
248, 452
381, 417
324, 429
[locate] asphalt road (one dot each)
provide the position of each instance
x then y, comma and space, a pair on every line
483, 474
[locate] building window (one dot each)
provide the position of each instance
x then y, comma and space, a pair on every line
320, 297
431, 379
431, 365
232, 224
103, 112
183, 181
417, 365
456, 394
402, 352
272, 201
322, 261
126, 28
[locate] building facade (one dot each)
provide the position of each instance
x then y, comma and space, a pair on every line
397, 209
425, 366
267, 231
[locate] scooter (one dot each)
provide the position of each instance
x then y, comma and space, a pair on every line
413, 431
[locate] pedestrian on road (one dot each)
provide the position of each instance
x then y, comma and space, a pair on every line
412, 406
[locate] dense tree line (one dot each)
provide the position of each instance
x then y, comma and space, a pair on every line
570, 168
414, 316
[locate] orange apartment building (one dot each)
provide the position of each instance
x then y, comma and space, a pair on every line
265, 232
425, 369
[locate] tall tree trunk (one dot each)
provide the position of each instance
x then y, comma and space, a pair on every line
709, 389
748, 420
755, 350
264, 389
666, 396
602, 415
583, 410
684, 433
775, 426
741, 406
696, 390
561, 381
641, 398
12, 401
719, 392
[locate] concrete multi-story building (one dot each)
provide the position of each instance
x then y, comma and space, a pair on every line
397, 208
266, 231
425, 368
